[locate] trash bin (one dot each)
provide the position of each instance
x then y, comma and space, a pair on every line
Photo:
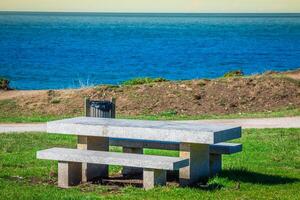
101, 109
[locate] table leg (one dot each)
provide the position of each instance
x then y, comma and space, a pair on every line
198, 170
154, 177
129, 171
93, 172
69, 174
215, 164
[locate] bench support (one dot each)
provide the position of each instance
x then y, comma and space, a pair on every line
129, 171
154, 177
198, 170
93, 172
215, 164
69, 174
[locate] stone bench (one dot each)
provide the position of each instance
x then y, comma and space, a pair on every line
136, 146
70, 164
194, 140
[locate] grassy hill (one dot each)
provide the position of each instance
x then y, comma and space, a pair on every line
266, 95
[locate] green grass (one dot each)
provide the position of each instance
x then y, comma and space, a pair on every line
7, 103
173, 115
268, 168
235, 73
141, 81
6, 117
9, 113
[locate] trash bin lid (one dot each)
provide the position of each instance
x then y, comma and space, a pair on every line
102, 105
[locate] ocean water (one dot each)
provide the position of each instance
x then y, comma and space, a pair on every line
59, 50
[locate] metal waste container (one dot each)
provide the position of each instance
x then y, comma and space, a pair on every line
102, 108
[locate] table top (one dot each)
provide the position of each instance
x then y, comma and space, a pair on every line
166, 131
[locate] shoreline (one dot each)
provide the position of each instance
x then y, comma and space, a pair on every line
295, 74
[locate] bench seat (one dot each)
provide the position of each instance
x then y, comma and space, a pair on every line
70, 160
136, 146
225, 148
219, 148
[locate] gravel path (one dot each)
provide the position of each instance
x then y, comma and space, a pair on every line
9, 128
284, 122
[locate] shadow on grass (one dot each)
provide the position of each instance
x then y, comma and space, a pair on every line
120, 181
208, 187
242, 175
137, 181
238, 175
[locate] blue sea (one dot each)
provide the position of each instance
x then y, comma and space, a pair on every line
70, 50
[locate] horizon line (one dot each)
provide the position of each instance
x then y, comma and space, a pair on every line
115, 12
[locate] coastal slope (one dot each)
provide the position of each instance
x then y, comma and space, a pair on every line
223, 96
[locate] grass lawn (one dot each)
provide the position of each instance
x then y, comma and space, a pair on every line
268, 168
7, 117
171, 115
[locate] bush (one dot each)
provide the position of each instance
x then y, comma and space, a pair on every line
141, 81
169, 113
55, 101
235, 73
4, 83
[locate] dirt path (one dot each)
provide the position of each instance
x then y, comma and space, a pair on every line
10, 128
285, 122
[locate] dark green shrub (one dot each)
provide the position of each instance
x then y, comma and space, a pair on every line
169, 113
55, 101
235, 73
141, 81
4, 83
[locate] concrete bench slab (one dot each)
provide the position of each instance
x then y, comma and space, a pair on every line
145, 130
144, 144
136, 146
70, 160
112, 158
194, 139
219, 148
225, 148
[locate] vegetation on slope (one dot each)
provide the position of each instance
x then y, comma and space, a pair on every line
4, 83
267, 95
142, 81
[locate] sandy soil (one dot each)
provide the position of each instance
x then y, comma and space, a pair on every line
19, 93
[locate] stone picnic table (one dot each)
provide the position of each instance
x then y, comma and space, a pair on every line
193, 139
